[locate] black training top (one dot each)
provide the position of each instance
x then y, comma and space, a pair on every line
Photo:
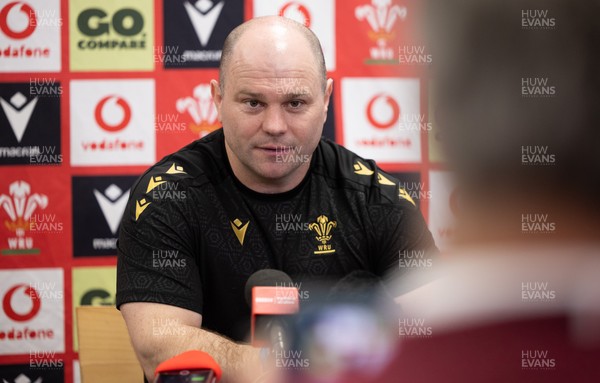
192, 234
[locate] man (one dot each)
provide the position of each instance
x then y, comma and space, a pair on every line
267, 166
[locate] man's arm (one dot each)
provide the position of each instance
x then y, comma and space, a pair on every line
170, 324
404, 247
159, 332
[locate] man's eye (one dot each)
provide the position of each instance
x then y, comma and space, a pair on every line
252, 103
295, 104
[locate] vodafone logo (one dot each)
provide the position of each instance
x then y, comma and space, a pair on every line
318, 15
112, 116
17, 20
373, 110
32, 316
297, 12
31, 294
112, 113
383, 111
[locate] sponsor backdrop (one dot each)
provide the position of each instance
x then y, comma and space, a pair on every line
89, 101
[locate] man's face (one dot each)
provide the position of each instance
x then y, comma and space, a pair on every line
272, 109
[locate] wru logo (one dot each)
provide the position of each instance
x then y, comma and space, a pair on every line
323, 229
19, 206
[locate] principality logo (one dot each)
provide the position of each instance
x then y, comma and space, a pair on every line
19, 205
381, 17
201, 109
323, 229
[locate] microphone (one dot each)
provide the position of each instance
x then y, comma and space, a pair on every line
272, 297
188, 367
266, 277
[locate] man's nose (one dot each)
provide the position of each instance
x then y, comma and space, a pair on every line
274, 121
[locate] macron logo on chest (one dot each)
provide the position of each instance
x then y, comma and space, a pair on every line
239, 229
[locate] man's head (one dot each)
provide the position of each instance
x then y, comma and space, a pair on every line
516, 92
311, 38
272, 98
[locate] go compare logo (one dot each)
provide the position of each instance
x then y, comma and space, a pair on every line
112, 36
126, 25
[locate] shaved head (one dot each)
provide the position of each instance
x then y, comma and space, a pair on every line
272, 96
265, 23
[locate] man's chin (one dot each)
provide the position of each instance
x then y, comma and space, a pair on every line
276, 171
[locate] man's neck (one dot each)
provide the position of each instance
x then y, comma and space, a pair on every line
270, 186
259, 184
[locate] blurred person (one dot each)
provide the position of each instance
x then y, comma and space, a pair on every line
517, 298
202, 220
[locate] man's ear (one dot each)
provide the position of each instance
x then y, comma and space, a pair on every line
217, 96
328, 90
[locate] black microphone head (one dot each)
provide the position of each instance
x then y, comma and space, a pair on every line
266, 277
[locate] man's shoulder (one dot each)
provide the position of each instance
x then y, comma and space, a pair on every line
348, 170
192, 166
199, 159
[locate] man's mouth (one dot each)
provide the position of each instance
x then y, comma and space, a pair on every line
275, 149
